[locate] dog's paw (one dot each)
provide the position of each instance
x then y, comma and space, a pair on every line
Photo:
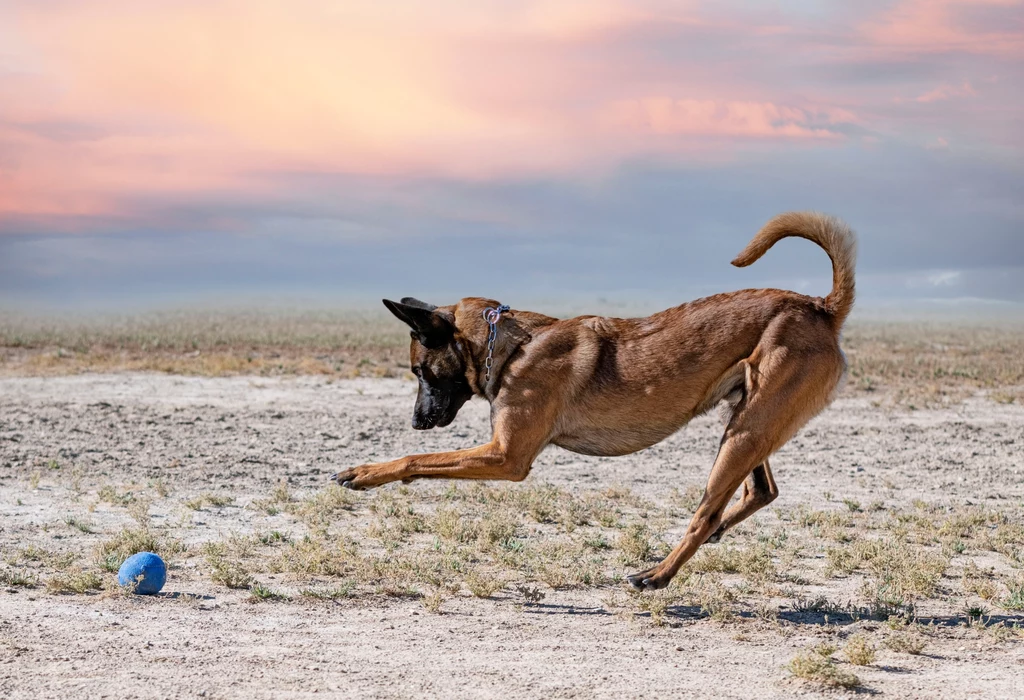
352, 479
647, 581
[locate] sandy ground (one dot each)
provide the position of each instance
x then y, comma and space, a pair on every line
241, 436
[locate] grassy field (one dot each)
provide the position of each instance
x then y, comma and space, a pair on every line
864, 581
343, 344
480, 539
914, 365
876, 576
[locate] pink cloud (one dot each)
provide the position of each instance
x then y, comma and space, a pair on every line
105, 102
193, 96
666, 116
945, 92
928, 26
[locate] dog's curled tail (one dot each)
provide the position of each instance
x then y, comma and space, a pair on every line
827, 231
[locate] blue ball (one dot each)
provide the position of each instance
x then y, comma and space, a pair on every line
145, 570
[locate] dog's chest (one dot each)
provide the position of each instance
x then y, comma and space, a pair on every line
615, 440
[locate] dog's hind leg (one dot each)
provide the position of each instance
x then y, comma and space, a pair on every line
783, 392
738, 455
759, 490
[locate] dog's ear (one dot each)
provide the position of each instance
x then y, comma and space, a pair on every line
429, 327
413, 301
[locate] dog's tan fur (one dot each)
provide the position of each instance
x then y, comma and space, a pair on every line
611, 386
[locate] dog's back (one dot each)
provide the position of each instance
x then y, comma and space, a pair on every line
635, 381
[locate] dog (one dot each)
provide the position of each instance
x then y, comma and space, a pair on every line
613, 386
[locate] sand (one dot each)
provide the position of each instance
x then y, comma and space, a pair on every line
242, 435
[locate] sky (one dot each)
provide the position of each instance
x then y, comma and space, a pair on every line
154, 152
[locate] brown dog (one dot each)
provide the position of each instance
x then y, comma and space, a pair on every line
612, 386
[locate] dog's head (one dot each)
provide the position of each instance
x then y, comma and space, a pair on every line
436, 359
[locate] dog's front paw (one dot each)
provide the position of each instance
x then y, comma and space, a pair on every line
357, 478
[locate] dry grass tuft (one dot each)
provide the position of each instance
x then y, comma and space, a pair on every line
280, 499
715, 600
432, 602
859, 650
18, 579
979, 582
482, 584
898, 572
259, 593
321, 509
209, 499
319, 556
81, 524
110, 553
337, 593
1014, 599
229, 572
754, 563
655, 603
113, 496
566, 564
74, 582
816, 665
906, 643
634, 544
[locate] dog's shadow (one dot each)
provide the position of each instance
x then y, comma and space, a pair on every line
823, 618
681, 613
674, 612
178, 595
557, 609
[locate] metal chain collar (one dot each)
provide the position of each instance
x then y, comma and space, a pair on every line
492, 316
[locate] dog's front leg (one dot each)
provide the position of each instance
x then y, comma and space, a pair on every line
490, 461
522, 428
